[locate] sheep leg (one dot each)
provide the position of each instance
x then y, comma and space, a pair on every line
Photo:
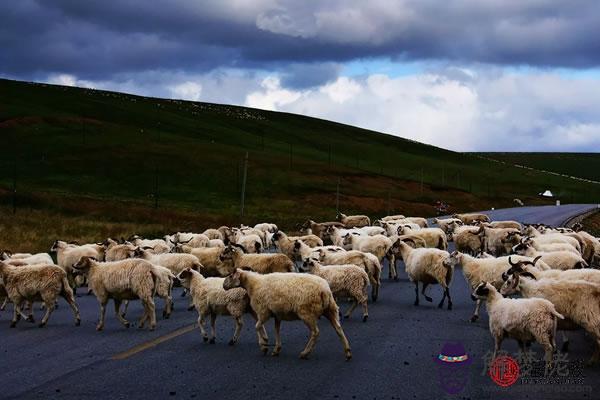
150, 309
4, 303
475, 315
16, 315
416, 293
311, 323
443, 298
125, 308
429, 299
351, 308
497, 343
201, 326
49, 303
122, 320
100, 325
184, 293
67, 294
277, 348
213, 331
239, 323
263, 333
168, 306
29, 311
331, 315
365, 308
260, 322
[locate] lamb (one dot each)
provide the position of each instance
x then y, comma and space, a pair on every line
476, 270
556, 260
210, 298
175, 262
346, 280
521, 319
353, 221
41, 282
472, 217
233, 257
578, 301
429, 266
434, 237
289, 296
121, 280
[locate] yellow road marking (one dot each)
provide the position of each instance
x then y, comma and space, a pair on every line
152, 343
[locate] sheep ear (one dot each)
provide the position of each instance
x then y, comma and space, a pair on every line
246, 269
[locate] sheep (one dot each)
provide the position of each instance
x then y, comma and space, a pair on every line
238, 233
285, 244
68, 254
521, 319
504, 225
346, 280
39, 258
209, 260
556, 259
577, 300
336, 235
433, 237
7, 254
216, 243
378, 245
592, 242
467, 240
252, 243
226, 233
429, 266
422, 222
472, 217
447, 224
212, 234
174, 262
476, 270
191, 239
319, 229
499, 241
41, 282
302, 250
210, 298
266, 227
233, 257
367, 261
392, 217
540, 238
115, 251
121, 280
156, 246
289, 296
353, 221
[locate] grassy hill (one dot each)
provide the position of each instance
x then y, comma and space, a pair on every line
582, 165
88, 164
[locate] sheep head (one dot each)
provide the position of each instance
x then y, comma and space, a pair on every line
233, 280
482, 291
83, 265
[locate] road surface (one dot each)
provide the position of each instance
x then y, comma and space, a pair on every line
393, 352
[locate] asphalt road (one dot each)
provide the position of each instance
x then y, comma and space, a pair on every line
392, 353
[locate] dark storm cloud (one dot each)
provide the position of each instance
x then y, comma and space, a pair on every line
98, 39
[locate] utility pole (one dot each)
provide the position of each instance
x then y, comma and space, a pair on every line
244, 184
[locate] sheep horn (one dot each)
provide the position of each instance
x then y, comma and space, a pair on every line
511, 263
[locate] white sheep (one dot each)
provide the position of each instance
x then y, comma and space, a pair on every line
353, 221
346, 280
233, 257
289, 296
41, 282
556, 259
524, 320
429, 266
433, 237
121, 280
210, 298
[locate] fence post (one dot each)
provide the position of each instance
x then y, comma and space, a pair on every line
337, 197
243, 200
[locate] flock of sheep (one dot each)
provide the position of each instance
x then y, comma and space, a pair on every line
229, 271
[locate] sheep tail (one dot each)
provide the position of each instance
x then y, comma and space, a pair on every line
66, 286
556, 314
448, 274
155, 278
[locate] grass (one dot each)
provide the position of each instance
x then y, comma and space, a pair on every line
89, 164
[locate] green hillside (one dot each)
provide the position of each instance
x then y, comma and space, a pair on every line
118, 163
582, 165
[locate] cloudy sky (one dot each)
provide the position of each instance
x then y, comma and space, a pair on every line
505, 75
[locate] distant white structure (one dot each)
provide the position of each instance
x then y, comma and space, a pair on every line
547, 193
